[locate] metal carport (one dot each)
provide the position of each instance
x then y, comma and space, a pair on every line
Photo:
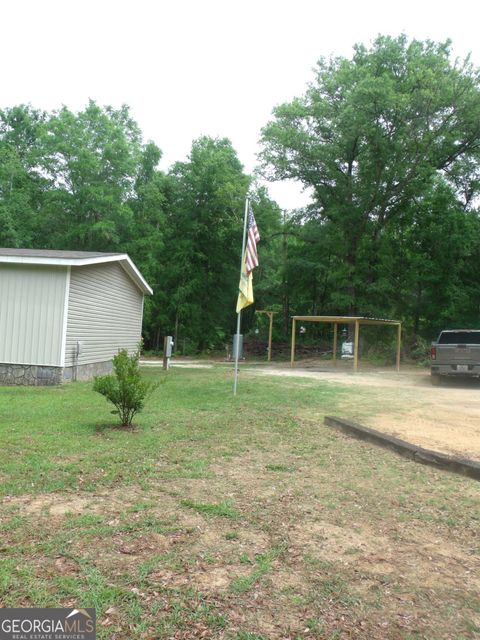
357, 321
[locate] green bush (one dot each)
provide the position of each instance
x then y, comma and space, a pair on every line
125, 388
420, 351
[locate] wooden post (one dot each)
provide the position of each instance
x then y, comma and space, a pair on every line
399, 343
292, 359
165, 359
355, 347
335, 328
270, 315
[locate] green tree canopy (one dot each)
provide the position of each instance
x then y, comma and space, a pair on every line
388, 141
371, 134
92, 160
204, 236
21, 181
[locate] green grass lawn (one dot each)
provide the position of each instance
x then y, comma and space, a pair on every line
240, 518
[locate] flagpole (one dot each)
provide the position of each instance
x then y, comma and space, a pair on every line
239, 314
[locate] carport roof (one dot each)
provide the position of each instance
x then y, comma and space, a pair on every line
346, 319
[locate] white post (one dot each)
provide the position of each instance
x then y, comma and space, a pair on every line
239, 314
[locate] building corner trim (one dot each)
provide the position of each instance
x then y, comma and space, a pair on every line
65, 317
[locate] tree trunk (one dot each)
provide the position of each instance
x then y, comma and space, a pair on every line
416, 316
175, 335
285, 296
352, 291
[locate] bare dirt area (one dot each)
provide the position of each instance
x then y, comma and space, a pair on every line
404, 404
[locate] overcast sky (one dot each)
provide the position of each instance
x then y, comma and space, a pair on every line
201, 67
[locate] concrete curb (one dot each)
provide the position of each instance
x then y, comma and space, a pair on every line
465, 467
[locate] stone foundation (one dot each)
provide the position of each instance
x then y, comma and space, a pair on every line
33, 375
29, 375
87, 371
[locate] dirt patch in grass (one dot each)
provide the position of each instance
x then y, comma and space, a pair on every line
142, 545
66, 566
325, 541
55, 504
61, 504
205, 578
422, 560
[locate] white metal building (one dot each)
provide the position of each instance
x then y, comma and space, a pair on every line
65, 314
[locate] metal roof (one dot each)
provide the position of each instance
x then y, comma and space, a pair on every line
73, 259
53, 253
346, 319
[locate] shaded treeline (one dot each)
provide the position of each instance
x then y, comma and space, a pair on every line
388, 142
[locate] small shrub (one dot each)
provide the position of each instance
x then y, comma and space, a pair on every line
125, 388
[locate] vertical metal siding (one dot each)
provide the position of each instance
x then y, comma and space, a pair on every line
31, 314
104, 313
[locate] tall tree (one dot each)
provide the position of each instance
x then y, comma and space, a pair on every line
434, 272
22, 184
202, 244
150, 205
92, 160
369, 136
204, 228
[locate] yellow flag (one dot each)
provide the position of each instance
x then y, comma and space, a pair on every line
245, 288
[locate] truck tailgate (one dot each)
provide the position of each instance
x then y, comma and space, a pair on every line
457, 353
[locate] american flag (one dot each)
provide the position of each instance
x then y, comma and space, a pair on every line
253, 237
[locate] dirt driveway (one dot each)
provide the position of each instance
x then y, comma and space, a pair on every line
405, 404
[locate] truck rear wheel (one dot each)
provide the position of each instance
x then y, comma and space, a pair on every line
436, 379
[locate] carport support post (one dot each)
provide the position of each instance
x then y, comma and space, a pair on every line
355, 348
292, 359
335, 328
399, 343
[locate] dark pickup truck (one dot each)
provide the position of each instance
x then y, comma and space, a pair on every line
456, 353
